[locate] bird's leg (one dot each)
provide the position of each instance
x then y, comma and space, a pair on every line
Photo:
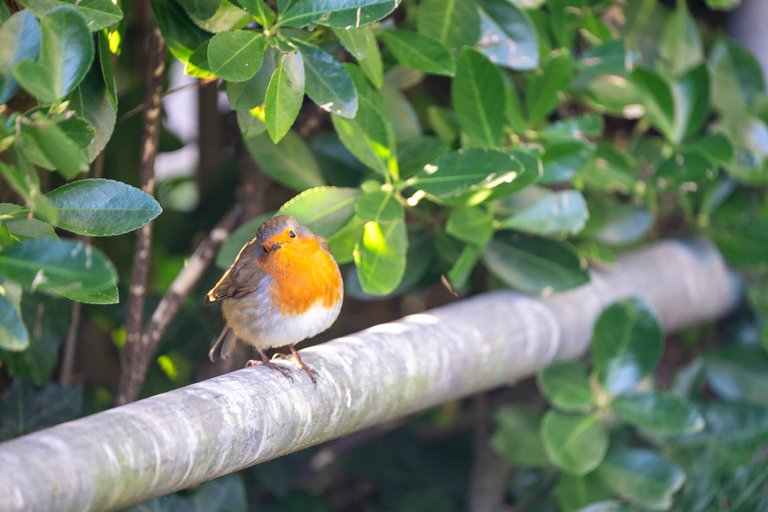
303, 366
264, 361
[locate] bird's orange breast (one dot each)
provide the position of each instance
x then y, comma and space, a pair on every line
304, 275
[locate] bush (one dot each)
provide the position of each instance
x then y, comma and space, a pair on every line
480, 143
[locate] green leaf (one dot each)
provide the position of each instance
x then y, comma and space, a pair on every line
19, 40
27, 408
419, 52
461, 270
415, 153
625, 224
66, 54
691, 94
642, 477
575, 443
681, 46
13, 332
99, 207
737, 78
342, 243
180, 34
380, 253
544, 88
61, 151
534, 265
327, 82
686, 166
517, 436
71, 269
577, 127
563, 159
251, 93
290, 162
24, 180
472, 225
98, 14
367, 137
402, 114
554, 212
202, 9
475, 170
238, 238
49, 319
738, 373
454, 23
566, 386
23, 227
92, 101
361, 43
259, 10
581, 493
508, 35
662, 413
284, 95
658, 100
478, 95
236, 55
335, 13
324, 210
626, 344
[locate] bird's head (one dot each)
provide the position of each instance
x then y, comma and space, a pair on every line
283, 231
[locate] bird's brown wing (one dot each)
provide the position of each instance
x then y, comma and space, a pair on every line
243, 277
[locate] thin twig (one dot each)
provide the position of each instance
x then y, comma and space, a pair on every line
490, 473
169, 306
141, 106
70, 346
130, 382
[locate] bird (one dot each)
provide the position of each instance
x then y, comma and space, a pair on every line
283, 287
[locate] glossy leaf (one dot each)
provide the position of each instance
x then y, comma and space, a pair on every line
98, 14
478, 95
680, 45
642, 477
236, 55
92, 101
66, 53
284, 95
419, 52
13, 332
563, 159
202, 9
566, 386
579, 493
662, 413
99, 207
61, 152
476, 170
454, 23
532, 264
324, 210
289, 162
368, 136
472, 225
461, 270
181, 35
627, 224
738, 373
573, 442
361, 43
508, 35
380, 253
555, 212
517, 436
327, 83
402, 114
335, 13
543, 90
626, 344
24, 180
64, 267
19, 40
737, 77
251, 93
577, 127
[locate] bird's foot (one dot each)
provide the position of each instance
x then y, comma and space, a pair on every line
303, 366
285, 372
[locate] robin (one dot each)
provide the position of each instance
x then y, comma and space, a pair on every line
283, 287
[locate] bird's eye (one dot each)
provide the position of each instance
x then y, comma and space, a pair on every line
292, 234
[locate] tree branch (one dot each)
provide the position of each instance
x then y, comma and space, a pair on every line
130, 381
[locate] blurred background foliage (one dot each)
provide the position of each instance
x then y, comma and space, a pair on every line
444, 148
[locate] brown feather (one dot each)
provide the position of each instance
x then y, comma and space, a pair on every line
243, 276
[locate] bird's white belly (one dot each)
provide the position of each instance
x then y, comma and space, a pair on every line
256, 322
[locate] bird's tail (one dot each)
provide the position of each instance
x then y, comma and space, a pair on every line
223, 346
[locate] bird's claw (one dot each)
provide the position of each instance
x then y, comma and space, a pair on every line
285, 372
